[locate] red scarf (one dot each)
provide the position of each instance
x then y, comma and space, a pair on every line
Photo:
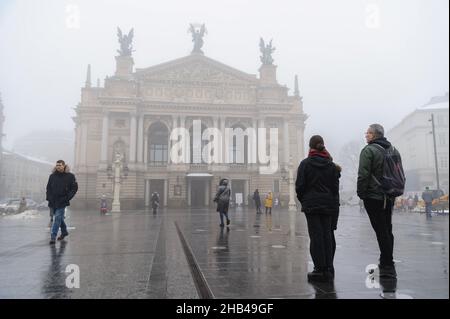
323, 153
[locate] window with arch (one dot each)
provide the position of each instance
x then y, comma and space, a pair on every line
158, 140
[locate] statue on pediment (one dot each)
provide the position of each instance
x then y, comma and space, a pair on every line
197, 31
126, 47
266, 50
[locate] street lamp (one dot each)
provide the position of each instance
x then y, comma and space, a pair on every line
288, 176
435, 151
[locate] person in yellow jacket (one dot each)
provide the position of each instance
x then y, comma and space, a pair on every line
268, 202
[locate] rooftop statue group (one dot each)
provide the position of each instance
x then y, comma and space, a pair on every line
198, 32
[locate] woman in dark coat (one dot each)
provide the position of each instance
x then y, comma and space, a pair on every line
155, 202
317, 188
257, 199
222, 199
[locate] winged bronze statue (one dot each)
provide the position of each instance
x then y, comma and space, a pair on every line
126, 47
266, 50
197, 37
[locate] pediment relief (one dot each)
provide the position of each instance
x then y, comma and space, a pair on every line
198, 70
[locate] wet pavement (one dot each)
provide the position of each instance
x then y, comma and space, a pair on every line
137, 254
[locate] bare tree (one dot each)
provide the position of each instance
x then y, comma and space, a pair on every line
348, 158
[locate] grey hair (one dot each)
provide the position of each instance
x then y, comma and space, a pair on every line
377, 130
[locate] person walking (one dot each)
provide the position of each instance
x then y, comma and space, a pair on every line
257, 199
268, 202
222, 199
61, 188
427, 197
372, 189
317, 188
155, 202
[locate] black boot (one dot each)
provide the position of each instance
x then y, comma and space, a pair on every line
317, 275
387, 271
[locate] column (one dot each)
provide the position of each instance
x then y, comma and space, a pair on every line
105, 129
217, 144
171, 143
263, 143
286, 141
187, 141
255, 127
146, 192
292, 204
140, 141
246, 192
224, 144
77, 143
189, 192
166, 192
84, 140
133, 132
145, 149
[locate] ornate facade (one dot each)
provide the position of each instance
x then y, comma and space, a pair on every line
136, 111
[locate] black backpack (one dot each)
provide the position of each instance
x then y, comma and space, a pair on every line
393, 180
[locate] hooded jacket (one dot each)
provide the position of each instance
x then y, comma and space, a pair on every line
61, 188
223, 197
371, 163
317, 185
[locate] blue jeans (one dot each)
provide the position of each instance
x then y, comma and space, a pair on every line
428, 207
222, 215
59, 222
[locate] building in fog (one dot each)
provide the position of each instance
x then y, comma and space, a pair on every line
2, 120
47, 145
23, 176
136, 110
412, 136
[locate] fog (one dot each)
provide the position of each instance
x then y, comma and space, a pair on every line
358, 62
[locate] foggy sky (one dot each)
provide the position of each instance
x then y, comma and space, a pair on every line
351, 72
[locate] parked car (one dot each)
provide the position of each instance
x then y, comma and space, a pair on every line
12, 205
3, 204
42, 206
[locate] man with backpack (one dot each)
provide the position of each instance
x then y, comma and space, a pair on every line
380, 180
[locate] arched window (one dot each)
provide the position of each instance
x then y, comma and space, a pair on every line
158, 139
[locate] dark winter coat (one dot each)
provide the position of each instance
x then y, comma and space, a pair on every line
371, 163
222, 198
427, 197
317, 185
155, 201
257, 198
61, 188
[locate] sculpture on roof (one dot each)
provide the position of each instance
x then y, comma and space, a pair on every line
126, 47
197, 31
266, 50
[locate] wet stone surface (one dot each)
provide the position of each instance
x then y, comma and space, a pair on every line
136, 254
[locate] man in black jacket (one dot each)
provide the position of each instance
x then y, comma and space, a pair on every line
317, 188
377, 204
61, 188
